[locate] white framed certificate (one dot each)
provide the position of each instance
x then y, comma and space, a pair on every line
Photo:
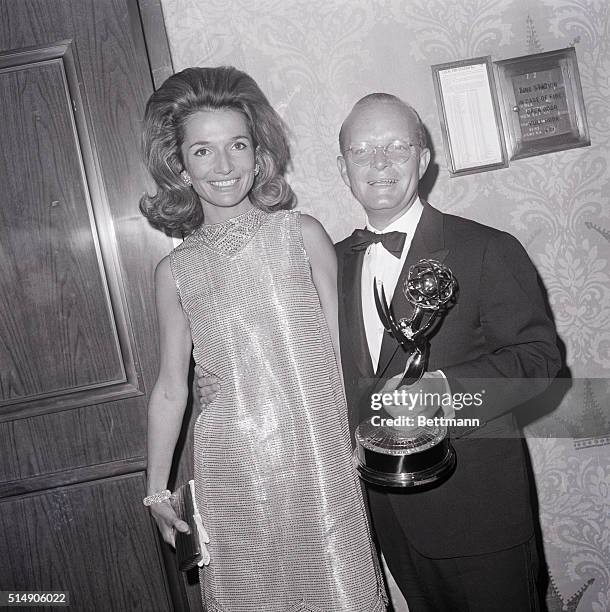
469, 116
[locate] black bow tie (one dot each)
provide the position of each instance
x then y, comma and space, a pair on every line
393, 242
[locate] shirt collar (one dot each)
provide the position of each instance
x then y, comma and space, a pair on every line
406, 223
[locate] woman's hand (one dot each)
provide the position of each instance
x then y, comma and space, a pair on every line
167, 521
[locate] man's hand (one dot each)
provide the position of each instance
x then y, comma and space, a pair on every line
423, 398
208, 387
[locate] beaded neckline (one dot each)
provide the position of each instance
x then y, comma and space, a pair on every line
231, 235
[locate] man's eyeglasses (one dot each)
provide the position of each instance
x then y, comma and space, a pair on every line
363, 154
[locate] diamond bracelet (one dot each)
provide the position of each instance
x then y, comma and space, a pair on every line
157, 497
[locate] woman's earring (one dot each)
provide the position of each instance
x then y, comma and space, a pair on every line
186, 177
257, 169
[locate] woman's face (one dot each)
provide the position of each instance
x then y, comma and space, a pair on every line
219, 155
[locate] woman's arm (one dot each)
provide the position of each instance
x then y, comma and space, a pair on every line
323, 261
169, 395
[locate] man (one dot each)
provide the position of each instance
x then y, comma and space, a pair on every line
468, 543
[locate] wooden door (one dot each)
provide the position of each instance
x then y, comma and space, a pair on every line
78, 336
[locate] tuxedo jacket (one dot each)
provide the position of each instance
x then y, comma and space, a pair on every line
498, 336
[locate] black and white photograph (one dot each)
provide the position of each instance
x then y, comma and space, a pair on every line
305, 305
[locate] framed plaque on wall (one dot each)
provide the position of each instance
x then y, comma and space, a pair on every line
542, 104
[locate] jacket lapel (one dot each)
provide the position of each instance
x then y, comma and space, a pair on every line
352, 307
428, 243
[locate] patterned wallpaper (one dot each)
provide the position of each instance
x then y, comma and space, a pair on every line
315, 58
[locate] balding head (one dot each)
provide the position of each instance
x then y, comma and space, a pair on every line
386, 183
381, 100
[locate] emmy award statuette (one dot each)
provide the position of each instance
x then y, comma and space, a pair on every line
391, 456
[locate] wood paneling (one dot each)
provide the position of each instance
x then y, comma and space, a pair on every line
100, 531
56, 324
95, 232
98, 471
66, 519
72, 439
157, 46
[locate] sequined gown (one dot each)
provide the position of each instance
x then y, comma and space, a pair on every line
273, 475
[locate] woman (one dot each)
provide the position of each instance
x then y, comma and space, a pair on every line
251, 291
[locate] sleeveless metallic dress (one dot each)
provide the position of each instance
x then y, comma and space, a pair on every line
273, 475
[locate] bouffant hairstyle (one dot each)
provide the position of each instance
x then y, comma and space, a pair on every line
176, 207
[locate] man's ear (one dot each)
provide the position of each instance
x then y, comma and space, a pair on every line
341, 164
424, 160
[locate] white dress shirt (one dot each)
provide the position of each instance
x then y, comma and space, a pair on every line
380, 264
